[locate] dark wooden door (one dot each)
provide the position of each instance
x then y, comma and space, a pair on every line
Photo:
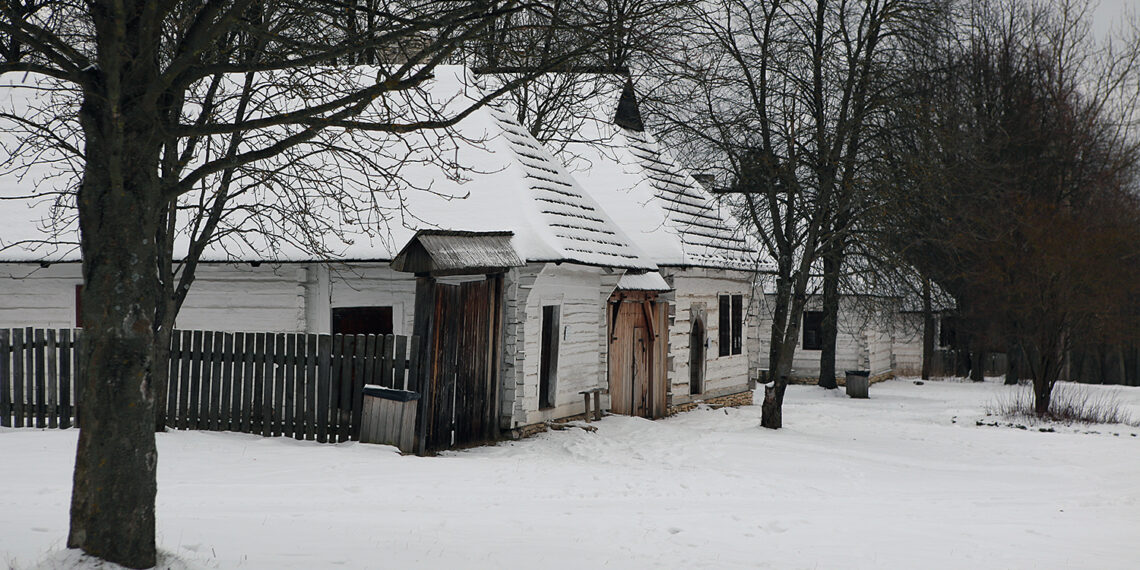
464, 365
697, 357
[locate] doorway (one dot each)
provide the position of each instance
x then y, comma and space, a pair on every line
697, 343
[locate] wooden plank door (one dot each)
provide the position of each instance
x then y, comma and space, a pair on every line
636, 356
639, 375
463, 373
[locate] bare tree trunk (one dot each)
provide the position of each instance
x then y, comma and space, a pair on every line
1013, 362
771, 410
832, 263
927, 330
114, 487
978, 357
116, 458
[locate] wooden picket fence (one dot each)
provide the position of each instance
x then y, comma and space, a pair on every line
304, 386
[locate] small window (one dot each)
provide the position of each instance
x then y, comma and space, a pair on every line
813, 330
731, 325
548, 360
79, 306
362, 320
948, 333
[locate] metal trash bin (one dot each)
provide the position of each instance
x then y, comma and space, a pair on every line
389, 417
858, 383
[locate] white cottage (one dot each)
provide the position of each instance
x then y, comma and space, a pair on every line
572, 302
694, 241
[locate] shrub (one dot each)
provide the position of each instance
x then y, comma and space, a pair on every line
1071, 403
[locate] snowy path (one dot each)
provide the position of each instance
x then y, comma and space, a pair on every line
890, 482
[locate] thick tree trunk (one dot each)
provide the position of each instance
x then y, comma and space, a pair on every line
927, 330
978, 357
832, 263
1013, 363
112, 505
1042, 393
114, 488
771, 410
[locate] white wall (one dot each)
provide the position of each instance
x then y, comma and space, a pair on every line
239, 297
365, 285
228, 297
575, 289
907, 344
869, 338
723, 374
42, 297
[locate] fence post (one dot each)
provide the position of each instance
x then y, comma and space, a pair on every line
5, 379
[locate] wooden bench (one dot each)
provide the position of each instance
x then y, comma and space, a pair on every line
597, 392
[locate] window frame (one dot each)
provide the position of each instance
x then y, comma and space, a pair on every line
549, 341
815, 328
730, 324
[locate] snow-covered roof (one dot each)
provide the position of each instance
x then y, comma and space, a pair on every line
661, 206
486, 174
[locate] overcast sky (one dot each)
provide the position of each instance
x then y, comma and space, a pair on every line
1110, 12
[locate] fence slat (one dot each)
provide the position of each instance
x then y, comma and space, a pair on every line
195, 380
249, 375
205, 357
185, 360
325, 364
257, 395
387, 360
216, 354
400, 363
238, 365
39, 388
311, 387
5, 378
227, 361
362, 347
270, 366
172, 379
344, 401
65, 385
278, 402
290, 366
52, 379
18, 377
368, 347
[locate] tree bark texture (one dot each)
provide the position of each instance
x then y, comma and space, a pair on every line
114, 486
927, 330
832, 262
771, 410
978, 358
1013, 363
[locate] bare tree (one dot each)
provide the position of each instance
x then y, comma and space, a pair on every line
1018, 192
180, 110
779, 96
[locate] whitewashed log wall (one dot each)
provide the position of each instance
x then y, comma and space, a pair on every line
723, 374
239, 297
575, 289
41, 297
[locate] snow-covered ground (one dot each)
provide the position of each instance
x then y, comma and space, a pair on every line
906, 479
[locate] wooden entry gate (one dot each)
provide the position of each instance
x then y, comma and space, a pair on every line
637, 343
461, 396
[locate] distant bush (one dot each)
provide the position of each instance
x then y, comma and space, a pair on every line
1071, 403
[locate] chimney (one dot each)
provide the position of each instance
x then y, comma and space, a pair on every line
628, 116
